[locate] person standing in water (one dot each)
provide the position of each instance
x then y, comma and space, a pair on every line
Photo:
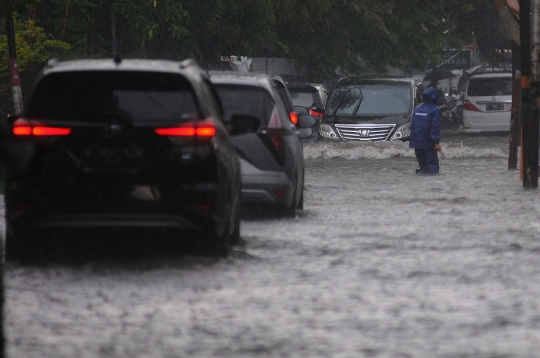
425, 133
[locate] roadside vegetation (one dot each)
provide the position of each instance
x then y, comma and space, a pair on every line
320, 34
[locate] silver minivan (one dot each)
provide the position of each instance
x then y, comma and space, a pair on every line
487, 102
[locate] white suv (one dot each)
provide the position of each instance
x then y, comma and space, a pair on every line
487, 102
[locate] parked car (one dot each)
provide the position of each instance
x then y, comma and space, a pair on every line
310, 95
371, 108
268, 146
306, 134
132, 143
487, 100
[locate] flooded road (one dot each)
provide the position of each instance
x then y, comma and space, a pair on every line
381, 263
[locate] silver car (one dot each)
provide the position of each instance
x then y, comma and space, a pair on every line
268, 143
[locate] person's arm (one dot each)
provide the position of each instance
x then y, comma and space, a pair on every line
434, 132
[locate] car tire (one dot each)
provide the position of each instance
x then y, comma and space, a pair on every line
301, 201
20, 247
220, 245
235, 237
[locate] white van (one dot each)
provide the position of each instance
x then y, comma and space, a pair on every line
487, 102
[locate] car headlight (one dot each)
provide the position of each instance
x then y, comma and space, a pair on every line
402, 132
326, 131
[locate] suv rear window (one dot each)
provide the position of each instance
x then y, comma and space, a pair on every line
134, 96
493, 86
251, 100
304, 96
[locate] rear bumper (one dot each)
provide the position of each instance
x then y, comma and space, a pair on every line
263, 187
113, 220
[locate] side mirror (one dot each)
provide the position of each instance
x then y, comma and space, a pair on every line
243, 123
306, 121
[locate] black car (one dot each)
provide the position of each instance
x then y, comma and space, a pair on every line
269, 148
371, 108
132, 143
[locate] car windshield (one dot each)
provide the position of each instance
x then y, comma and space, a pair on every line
371, 99
304, 97
134, 96
250, 100
498, 86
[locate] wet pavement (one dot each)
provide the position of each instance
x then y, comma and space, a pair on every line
381, 263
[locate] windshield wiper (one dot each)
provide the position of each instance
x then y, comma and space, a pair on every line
361, 98
341, 100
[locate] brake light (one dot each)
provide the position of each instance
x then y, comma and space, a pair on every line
468, 106
275, 132
315, 114
23, 127
276, 135
191, 129
294, 117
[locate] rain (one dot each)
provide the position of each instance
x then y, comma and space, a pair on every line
377, 262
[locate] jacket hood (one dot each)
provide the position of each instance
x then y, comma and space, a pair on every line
430, 95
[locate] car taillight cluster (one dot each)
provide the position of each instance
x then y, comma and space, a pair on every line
315, 114
468, 106
25, 127
205, 129
294, 117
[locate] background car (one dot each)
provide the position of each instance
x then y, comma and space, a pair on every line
269, 148
310, 95
487, 101
371, 108
123, 144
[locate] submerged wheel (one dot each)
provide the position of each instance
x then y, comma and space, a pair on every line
20, 247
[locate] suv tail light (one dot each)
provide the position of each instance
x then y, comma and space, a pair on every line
294, 117
204, 129
315, 114
25, 127
275, 132
468, 106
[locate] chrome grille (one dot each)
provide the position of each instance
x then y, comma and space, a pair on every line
365, 132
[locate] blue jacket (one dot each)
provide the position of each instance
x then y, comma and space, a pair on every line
425, 123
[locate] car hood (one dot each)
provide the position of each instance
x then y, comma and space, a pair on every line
396, 119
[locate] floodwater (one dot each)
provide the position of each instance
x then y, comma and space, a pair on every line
381, 263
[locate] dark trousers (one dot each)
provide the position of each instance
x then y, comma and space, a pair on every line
428, 161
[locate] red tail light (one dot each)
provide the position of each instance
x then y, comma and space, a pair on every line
294, 117
191, 129
24, 127
276, 135
468, 106
315, 114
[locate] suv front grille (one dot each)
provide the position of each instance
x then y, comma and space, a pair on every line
365, 132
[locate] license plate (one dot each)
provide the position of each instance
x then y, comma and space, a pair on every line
495, 107
113, 154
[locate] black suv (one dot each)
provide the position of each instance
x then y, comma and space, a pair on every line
371, 108
133, 143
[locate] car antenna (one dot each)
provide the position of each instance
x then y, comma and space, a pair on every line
117, 59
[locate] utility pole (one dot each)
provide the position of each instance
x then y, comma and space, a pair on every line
530, 87
13, 66
515, 122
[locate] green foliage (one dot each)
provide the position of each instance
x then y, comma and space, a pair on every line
320, 34
34, 47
